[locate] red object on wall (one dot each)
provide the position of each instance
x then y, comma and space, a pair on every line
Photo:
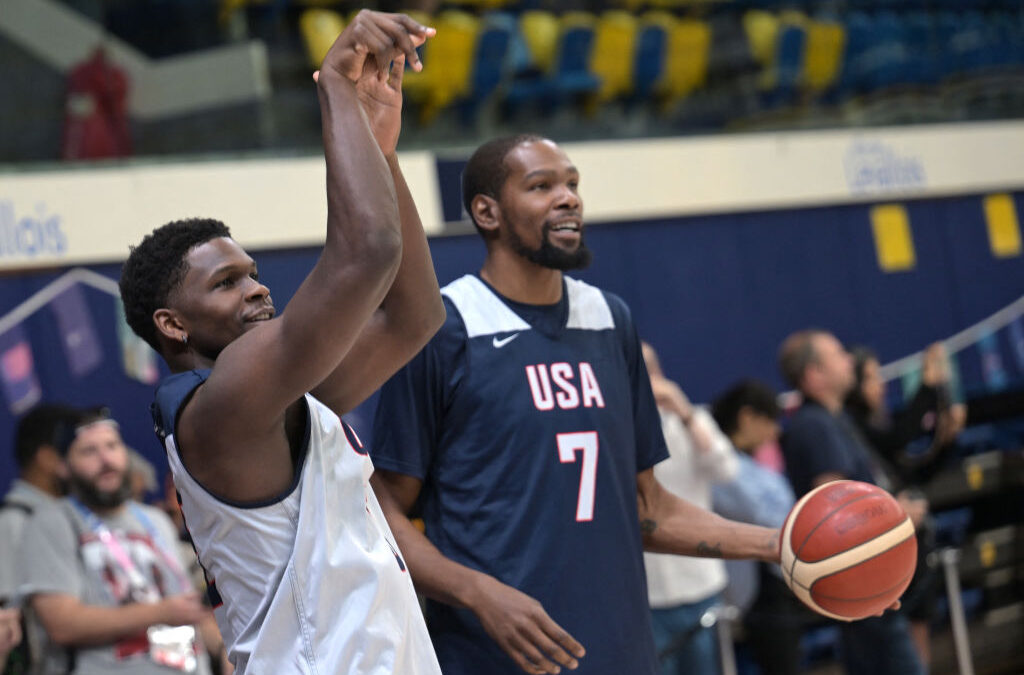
95, 111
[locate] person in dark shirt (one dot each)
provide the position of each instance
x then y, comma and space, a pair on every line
930, 412
526, 431
822, 444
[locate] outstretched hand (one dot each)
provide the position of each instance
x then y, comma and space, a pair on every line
382, 102
371, 42
521, 627
372, 52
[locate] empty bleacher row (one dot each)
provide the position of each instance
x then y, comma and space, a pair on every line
662, 58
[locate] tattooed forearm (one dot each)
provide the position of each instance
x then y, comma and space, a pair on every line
648, 526
708, 550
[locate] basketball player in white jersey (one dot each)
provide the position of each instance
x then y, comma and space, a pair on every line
301, 567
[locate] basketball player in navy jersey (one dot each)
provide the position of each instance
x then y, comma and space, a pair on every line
526, 431
300, 564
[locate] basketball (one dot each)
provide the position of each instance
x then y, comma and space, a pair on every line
848, 550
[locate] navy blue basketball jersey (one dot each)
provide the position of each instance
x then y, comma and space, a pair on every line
528, 425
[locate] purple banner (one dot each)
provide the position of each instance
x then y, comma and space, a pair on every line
17, 370
77, 331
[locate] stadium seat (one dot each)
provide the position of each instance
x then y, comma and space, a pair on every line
447, 65
319, 28
649, 59
540, 30
489, 67
686, 57
568, 76
789, 60
613, 54
572, 73
822, 55
762, 30
859, 39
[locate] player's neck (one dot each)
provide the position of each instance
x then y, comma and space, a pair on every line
42, 481
186, 361
520, 280
827, 400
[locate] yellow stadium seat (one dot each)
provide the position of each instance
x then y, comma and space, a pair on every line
762, 29
686, 56
613, 54
823, 58
447, 64
540, 30
319, 28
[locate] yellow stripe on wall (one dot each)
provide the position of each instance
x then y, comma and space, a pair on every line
1003, 227
894, 242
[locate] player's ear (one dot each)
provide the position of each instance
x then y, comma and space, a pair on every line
168, 325
485, 211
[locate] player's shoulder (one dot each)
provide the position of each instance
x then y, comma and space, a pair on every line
171, 394
52, 520
810, 421
474, 309
595, 308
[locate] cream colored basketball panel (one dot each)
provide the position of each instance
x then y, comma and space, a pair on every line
806, 573
788, 557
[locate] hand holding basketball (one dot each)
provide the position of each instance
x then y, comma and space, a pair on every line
848, 550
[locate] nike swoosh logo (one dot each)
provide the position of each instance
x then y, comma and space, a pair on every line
498, 344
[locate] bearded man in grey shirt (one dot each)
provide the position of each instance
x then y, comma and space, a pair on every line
102, 573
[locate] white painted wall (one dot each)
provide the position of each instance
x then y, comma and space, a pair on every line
92, 214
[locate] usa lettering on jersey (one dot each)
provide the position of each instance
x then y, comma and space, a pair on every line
562, 385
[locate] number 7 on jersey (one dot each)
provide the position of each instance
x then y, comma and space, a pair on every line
585, 442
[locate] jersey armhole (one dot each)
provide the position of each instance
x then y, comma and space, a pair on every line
298, 462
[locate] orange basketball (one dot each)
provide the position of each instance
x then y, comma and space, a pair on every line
848, 550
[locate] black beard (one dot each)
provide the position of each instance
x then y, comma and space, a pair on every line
102, 499
549, 255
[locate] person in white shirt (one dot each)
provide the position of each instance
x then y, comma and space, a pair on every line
681, 589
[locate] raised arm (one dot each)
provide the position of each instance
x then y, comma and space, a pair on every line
412, 310
234, 421
670, 524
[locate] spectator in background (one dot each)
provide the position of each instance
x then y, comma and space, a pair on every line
773, 618
822, 444
930, 411
41, 479
10, 635
101, 573
142, 475
42, 476
681, 589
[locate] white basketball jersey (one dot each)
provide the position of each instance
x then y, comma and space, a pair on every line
312, 583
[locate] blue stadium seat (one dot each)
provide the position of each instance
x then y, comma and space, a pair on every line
859, 39
789, 62
568, 77
650, 59
489, 68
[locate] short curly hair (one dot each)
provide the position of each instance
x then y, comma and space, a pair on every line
486, 170
157, 266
